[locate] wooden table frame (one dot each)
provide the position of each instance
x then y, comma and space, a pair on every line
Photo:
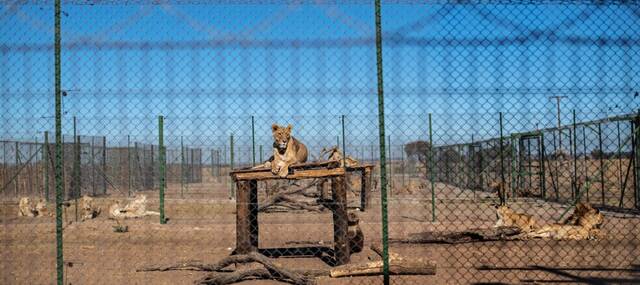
247, 227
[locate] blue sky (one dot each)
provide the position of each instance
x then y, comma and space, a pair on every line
208, 69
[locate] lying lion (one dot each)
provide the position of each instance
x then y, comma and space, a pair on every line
584, 223
509, 218
89, 209
135, 209
287, 150
26, 208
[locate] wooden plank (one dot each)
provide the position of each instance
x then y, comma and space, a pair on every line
360, 167
340, 223
297, 174
306, 165
243, 224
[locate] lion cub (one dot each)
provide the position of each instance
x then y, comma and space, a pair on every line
286, 151
509, 218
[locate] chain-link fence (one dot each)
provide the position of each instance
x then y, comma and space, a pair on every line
508, 152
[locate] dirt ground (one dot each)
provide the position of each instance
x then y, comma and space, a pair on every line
202, 228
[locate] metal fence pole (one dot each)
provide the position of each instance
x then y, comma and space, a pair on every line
432, 172
253, 141
586, 158
128, 166
574, 136
161, 165
503, 199
231, 186
182, 171
45, 158
601, 162
383, 178
619, 154
58, 127
93, 167
104, 165
635, 154
137, 157
16, 168
344, 145
390, 167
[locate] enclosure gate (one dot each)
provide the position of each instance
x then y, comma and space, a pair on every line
530, 178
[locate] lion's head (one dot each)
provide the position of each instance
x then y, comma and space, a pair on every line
503, 211
281, 136
588, 216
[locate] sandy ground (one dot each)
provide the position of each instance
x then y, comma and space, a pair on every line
202, 227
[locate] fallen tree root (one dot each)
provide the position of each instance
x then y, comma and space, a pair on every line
271, 270
218, 275
474, 235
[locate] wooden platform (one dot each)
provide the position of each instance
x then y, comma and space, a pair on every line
247, 228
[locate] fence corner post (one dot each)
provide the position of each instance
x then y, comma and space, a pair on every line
161, 165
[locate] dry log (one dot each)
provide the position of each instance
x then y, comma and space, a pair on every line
396, 267
473, 235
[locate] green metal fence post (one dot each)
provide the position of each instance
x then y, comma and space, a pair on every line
137, 158
182, 170
619, 154
542, 167
253, 141
575, 156
17, 167
93, 167
212, 163
232, 194
383, 178
75, 179
586, 158
503, 199
261, 155
104, 165
161, 165
45, 158
58, 127
635, 154
432, 172
601, 162
128, 166
344, 145
391, 184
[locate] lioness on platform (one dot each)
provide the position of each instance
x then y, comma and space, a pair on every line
287, 150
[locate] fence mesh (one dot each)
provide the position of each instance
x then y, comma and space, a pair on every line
511, 141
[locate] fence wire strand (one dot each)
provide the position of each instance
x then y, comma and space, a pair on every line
144, 136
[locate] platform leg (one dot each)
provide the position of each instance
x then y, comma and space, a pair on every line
340, 225
365, 189
246, 216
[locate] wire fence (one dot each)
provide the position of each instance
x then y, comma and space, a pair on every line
507, 153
